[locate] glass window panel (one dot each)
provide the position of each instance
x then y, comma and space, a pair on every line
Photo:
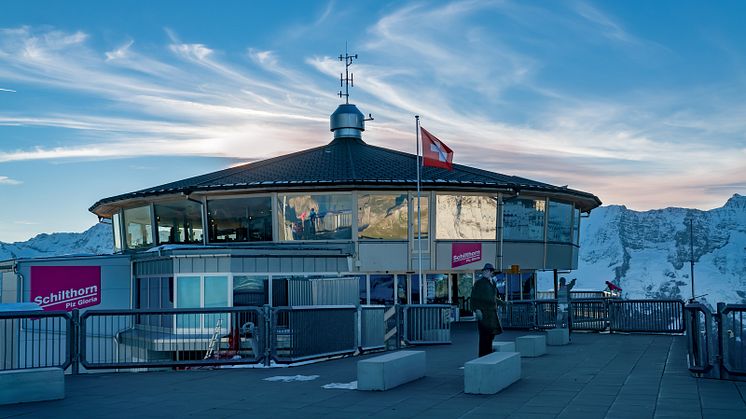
576, 224
116, 225
401, 290
167, 299
415, 289
216, 295
436, 288
216, 291
363, 281
249, 290
382, 289
424, 222
179, 222
523, 219
559, 223
142, 294
240, 219
382, 217
465, 285
138, 227
315, 217
188, 296
470, 217
519, 286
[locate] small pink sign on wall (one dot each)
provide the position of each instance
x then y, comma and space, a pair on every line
465, 253
65, 287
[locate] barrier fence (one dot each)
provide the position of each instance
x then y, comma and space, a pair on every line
35, 340
191, 338
597, 314
717, 341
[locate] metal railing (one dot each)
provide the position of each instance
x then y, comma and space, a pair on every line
716, 341
35, 340
732, 332
656, 316
372, 327
699, 333
300, 333
171, 337
426, 323
597, 314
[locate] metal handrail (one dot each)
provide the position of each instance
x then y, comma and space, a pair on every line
698, 356
49, 336
726, 335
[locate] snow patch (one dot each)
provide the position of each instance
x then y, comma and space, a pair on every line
291, 378
342, 386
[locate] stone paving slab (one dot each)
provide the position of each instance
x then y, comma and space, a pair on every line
598, 376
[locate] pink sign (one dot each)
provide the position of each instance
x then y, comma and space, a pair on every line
65, 287
465, 253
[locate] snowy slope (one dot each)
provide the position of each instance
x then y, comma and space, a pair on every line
647, 253
97, 240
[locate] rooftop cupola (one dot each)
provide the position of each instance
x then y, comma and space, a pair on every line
347, 121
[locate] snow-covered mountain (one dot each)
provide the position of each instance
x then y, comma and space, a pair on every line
647, 253
97, 240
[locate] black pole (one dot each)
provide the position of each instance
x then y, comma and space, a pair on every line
691, 252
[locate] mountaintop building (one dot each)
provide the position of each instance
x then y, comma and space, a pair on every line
248, 234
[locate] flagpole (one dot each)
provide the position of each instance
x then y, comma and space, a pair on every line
419, 212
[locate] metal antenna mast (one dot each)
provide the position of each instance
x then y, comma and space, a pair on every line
347, 79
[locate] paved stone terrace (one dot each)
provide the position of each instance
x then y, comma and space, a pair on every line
597, 376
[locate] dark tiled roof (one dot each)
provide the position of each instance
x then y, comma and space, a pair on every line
342, 162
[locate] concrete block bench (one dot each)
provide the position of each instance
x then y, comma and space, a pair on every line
503, 346
558, 337
390, 370
531, 345
31, 385
491, 373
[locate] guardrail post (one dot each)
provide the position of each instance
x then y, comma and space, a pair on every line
75, 341
268, 334
359, 327
719, 335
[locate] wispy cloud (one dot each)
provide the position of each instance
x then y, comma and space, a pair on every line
482, 91
4, 180
7, 90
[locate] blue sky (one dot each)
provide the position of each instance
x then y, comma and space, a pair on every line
638, 102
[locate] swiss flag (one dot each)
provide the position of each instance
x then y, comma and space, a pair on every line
434, 152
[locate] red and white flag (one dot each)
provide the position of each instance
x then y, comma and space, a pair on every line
434, 152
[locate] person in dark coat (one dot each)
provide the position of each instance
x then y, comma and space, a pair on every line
484, 304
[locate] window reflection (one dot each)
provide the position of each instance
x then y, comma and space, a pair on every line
559, 223
240, 219
576, 227
515, 287
382, 217
402, 287
436, 288
315, 217
471, 217
138, 227
116, 225
523, 219
382, 289
179, 222
249, 290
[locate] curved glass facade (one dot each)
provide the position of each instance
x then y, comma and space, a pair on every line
382, 217
138, 227
240, 219
523, 219
179, 222
315, 216
466, 217
559, 222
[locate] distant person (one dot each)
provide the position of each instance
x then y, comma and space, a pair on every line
564, 315
313, 217
484, 303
